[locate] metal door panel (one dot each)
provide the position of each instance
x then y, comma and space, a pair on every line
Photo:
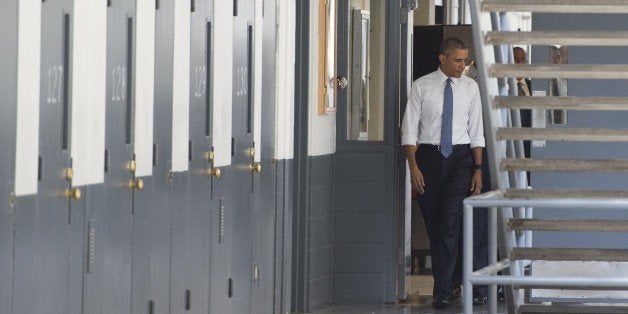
151, 206
109, 219
183, 229
265, 205
46, 228
242, 130
8, 97
222, 215
191, 221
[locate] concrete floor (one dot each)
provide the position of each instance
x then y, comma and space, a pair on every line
419, 301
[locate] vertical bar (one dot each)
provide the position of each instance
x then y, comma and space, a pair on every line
65, 124
208, 73
128, 125
467, 238
249, 78
492, 256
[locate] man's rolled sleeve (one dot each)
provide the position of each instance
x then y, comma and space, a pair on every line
476, 127
410, 123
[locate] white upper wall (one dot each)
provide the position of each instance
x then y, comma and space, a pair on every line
284, 87
322, 130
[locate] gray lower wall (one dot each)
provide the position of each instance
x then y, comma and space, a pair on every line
319, 280
583, 119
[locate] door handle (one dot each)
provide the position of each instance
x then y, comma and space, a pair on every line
214, 172
339, 82
136, 184
255, 167
74, 193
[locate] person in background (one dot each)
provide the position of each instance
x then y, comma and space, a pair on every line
443, 135
524, 88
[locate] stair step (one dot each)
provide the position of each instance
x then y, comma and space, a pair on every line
556, 6
564, 103
572, 308
582, 38
518, 224
570, 71
575, 288
564, 194
563, 134
574, 165
563, 254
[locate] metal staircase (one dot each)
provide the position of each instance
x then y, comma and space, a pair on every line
525, 269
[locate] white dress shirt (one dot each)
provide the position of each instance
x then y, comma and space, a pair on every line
422, 119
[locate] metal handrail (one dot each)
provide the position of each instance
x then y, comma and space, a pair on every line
495, 200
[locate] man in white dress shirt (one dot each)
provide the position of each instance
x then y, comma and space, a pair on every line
444, 178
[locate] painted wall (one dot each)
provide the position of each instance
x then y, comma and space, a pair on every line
583, 119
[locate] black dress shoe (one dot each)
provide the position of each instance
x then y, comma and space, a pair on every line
440, 304
478, 300
456, 292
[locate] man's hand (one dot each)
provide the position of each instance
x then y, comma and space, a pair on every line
476, 183
416, 177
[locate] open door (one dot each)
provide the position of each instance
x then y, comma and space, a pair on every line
366, 92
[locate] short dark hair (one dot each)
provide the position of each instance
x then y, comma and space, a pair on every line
448, 45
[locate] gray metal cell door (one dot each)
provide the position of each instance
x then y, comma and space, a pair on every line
265, 233
191, 224
8, 97
109, 216
366, 199
151, 206
49, 225
245, 171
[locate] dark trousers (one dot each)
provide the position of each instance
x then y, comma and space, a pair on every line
480, 234
447, 183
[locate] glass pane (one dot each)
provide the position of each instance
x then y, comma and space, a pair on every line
365, 103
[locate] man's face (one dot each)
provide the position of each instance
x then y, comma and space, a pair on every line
520, 56
453, 64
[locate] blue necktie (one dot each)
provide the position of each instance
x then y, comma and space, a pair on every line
445, 131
